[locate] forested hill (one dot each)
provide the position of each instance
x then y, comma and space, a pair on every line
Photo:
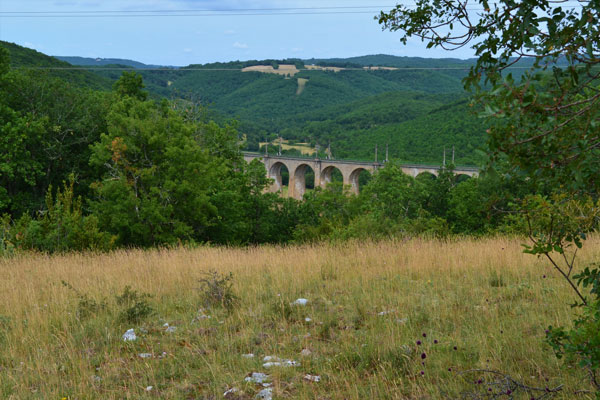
415, 110
384, 60
101, 62
40, 63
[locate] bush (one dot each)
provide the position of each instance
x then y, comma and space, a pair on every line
135, 306
61, 227
86, 306
216, 291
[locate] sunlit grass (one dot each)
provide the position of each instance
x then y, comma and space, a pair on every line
369, 304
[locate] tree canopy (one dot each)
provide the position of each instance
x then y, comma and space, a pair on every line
546, 122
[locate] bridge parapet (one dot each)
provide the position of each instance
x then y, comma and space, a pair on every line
323, 169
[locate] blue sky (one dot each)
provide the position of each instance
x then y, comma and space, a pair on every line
183, 40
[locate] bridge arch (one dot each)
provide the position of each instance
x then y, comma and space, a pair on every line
462, 177
354, 179
426, 175
274, 173
298, 180
329, 175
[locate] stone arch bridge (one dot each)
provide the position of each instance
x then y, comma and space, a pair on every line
323, 169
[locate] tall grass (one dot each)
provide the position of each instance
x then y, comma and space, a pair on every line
369, 304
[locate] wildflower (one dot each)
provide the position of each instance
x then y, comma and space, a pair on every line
435, 341
422, 372
455, 348
424, 335
423, 356
418, 342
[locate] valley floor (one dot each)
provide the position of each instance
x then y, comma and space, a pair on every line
396, 319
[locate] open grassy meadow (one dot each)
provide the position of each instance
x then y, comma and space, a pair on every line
397, 319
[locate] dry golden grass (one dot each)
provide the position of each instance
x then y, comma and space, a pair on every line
484, 296
301, 86
284, 69
320, 68
303, 148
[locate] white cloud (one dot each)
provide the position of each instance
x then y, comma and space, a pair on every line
297, 49
187, 50
239, 45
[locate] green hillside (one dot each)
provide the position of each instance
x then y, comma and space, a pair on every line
413, 110
24, 58
415, 126
100, 62
393, 61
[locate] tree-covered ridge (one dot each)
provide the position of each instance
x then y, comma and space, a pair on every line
105, 62
351, 109
385, 60
269, 105
24, 58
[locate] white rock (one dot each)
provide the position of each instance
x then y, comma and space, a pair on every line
307, 319
145, 355
305, 352
149, 388
270, 358
171, 329
249, 355
129, 335
300, 302
265, 394
257, 377
312, 378
281, 363
272, 364
230, 391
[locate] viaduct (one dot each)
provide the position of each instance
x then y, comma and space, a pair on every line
323, 169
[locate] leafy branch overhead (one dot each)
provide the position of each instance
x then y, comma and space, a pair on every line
547, 122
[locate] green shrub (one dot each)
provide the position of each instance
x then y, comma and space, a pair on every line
217, 291
86, 306
62, 226
134, 306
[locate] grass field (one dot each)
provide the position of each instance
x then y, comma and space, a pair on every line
472, 304
304, 148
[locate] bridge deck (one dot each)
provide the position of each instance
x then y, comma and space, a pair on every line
358, 162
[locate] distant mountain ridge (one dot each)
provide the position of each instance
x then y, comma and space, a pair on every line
380, 60
102, 62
